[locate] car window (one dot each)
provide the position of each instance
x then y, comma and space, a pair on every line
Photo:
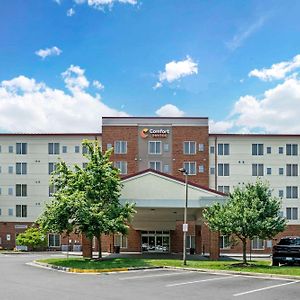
295, 241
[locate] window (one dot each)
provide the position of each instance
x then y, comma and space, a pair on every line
257, 243
77, 149
21, 211
21, 190
257, 149
269, 150
10, 149
155, 165
291, 192
120, 147
280, 171
201, 168
212, 150
292, 170
120, 240
21, 148
189, 147
10, 212
201, 147
154, 147
223, 149
64, 149
166, 147
292, 213
52, 190
280, 150
10, 169
223, 169
190, 167
280, 194
53, 240
224, 189
84, 165
21, 168
257, 170
291, 149
84, 150
224, 242
190, 242
108, 146
166, 169
122, 166
269, 171
53, 148
10, 191
212, 170
51, 167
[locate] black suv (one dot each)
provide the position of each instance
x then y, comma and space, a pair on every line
287, 251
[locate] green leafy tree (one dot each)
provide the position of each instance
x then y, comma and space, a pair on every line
87, 199
250, 211
32, 238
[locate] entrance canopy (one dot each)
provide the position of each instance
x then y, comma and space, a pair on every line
160, 199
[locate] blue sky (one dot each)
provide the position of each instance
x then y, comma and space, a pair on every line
64, 64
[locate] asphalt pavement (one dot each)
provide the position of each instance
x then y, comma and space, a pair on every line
20, 280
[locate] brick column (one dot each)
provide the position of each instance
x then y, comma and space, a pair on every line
214, 251
86, 247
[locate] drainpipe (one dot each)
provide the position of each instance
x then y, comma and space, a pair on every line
216, 163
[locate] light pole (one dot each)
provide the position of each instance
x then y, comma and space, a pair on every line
185, 225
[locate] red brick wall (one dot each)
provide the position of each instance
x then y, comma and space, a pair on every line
110, 134
200, 136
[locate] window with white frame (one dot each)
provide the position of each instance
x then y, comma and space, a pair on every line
257, 149
292, 213
53, 240
190, 167
53, 148
21, 211
224, 241
21, 168
84, 149
166, 147
257, 243
10, 191
120, 147
280, 171
280, 193
292, 192
224, 189
212, 150
269, 171
21, 148
155, 165
201, 147
223, 149
201, 168
51, 167
120, 240
212, 170
10, 149
223, 170
122, 166
189, 147
154, 147
64, 149
269, 150
280, 150
21, 190
190, 242
77, 149
166, 169
257, 170
10, 212
292, 170
52, 190
10, 169
291, 149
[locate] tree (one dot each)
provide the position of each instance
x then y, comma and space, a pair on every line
87, 199
250, 212
32, 238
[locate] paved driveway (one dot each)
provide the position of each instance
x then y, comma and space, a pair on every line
19, 280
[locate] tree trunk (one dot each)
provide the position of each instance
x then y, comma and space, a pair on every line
244, 250
99, 247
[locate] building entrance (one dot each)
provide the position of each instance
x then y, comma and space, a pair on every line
156, 241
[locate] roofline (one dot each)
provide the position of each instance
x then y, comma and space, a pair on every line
174, 178
48, 134
253, 135
163, 118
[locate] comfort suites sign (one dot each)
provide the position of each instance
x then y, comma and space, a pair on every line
154, 133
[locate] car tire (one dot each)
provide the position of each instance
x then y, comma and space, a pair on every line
275, 263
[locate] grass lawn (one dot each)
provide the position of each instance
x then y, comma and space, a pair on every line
256, 266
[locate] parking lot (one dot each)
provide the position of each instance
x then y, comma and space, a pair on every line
18, 280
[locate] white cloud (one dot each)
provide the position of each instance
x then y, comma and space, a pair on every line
169, 110
70, 12
220, 126
244, 33
43, 53
101, 4
57, 1
277, 71
30, 106
98, 85
175, 70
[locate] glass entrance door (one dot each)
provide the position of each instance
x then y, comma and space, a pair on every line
155, 241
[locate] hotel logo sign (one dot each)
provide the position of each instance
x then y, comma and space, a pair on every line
154, 133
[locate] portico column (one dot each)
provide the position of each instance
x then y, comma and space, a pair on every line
214, 251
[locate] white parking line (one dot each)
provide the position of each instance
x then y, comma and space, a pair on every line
265, 288
199, 281
155, 275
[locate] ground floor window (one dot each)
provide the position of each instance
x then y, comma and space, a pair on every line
156, 241
224, 242
120, 240
53, 240
190, 241
258, 244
